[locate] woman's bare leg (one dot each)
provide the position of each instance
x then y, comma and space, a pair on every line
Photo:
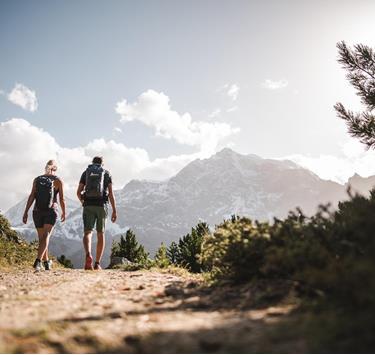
44, 240
40, 232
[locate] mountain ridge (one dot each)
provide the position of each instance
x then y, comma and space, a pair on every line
209, 189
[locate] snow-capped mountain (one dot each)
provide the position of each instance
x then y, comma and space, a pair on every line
210, 190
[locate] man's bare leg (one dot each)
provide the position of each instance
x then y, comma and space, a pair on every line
87, 242
87, 246
100, 247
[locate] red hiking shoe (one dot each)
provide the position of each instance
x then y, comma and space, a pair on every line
88, 263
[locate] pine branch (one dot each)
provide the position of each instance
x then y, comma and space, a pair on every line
360, 125
362, 58
360, 64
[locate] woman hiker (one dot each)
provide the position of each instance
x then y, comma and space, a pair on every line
45, 189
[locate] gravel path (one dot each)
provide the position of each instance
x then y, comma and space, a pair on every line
76, 311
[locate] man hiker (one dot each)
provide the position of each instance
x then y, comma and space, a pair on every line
45, 189
94, 191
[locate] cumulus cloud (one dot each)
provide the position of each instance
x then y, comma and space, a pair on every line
353, 159
275, 85
24, 150
22, 96
153, 109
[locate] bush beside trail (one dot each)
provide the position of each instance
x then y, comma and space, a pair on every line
329, 257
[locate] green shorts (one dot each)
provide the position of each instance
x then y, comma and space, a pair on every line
94, 215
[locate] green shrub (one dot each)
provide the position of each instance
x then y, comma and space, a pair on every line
330, 257
236, 249
65, 262
161, 258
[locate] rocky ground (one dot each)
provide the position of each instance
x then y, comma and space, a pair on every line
76, 311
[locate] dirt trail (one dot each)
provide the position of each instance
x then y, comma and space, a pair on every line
73, 311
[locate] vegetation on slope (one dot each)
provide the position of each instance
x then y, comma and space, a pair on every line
14, 251
330, 257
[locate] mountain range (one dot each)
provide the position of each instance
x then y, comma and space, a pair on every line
210, 189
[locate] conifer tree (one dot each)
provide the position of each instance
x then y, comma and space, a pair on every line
202, 228
129, 248
173, 253
161, 258
360, 65
190, 247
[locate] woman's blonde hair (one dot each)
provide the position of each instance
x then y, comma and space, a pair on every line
50, 167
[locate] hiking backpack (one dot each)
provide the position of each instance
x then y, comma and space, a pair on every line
94, 182
44, 192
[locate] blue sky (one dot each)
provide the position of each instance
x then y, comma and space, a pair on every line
81, 58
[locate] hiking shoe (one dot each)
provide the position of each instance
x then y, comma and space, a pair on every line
37, 265
97, 266
47, 264
88, 263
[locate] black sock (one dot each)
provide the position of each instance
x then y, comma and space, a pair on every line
38, 260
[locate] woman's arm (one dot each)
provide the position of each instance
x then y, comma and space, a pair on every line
30, 201
62, 200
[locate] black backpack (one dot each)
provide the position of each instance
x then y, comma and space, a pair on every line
94, 188
44, 192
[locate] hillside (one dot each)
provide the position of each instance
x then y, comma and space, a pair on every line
15, 252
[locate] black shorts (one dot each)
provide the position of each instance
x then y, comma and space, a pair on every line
44, 217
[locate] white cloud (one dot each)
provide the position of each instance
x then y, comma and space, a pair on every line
275, 85
153, 109
24, 97
24, 150
232, 109
117, 130
214, 113
233, 91
354, 159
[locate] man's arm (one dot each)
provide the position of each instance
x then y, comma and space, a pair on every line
113, 203
80, 192
29, 202
62, 200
